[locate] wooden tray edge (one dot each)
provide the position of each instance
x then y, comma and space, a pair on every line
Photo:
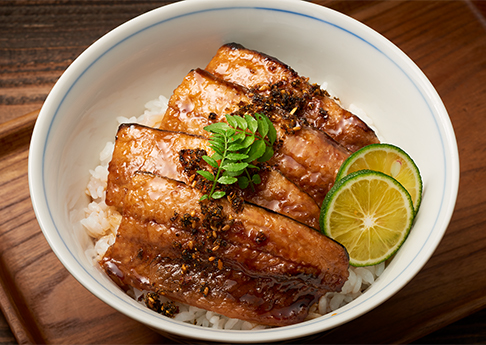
22, 330
11, 127
18, 130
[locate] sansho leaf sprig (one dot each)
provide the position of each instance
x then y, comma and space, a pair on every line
236, 145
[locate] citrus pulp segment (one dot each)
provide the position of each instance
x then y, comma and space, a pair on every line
370, 213
390, 160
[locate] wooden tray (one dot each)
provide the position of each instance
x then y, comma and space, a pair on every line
43, 303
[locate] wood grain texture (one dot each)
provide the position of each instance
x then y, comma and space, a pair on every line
40, 39
43, 303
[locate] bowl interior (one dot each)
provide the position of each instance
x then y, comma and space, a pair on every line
151, 54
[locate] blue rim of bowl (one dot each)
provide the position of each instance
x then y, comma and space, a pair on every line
265, 331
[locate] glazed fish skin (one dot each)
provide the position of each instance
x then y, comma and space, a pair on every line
198, 96
258, 265
258, 71
229, 292
142, 148
157, 151
310, 160
314, 174
289, 239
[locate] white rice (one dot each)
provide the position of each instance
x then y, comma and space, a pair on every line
101, 223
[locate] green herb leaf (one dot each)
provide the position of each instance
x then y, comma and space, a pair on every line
218, 127
236, 156
235, 173
218, 194
241, 122
227, 180
218, 148
262, 125
234, 166
230, 133
252, 123
267, 155
243, 182
240, 145
231, 121
211, 161
239, 136
272, 133
256, 179
248, 141
217, 156
256, 151
206, 174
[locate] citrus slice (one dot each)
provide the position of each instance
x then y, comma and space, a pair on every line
388, 159
370, 214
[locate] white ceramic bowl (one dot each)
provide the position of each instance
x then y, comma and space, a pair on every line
150, 55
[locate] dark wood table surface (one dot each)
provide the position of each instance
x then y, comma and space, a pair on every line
42, 303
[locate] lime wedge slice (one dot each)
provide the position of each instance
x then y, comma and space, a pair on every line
370, 214
390, 160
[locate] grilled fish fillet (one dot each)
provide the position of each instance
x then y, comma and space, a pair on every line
269, 76
140, 148
253, 265
306, 156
